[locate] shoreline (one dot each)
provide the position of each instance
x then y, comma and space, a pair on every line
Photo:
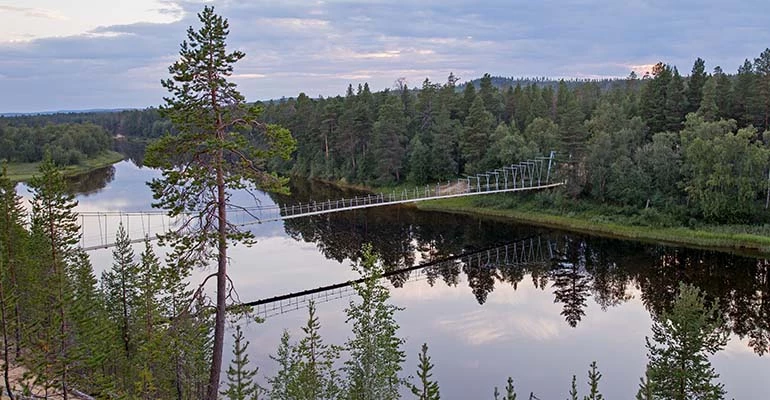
22, 172
741, 243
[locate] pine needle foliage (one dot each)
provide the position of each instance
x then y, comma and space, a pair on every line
593, 383
682, 340
426, 389
375, 353
220, 147
240, 378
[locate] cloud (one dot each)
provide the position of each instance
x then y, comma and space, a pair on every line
320, 47
34, 12
248, 76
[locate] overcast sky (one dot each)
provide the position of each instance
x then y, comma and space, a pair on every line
82, 54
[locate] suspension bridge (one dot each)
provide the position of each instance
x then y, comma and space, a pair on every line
530, 175
520, 253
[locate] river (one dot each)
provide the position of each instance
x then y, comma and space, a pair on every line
539, 323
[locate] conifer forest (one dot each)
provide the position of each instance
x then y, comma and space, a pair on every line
659, 149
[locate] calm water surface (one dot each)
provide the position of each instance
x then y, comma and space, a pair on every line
539, 323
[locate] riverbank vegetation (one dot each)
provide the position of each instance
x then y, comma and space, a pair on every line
19, 172
611, 221
68, 144
77, 147
686, 150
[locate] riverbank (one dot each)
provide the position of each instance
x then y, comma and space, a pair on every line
725, 238
743, 239
22, 172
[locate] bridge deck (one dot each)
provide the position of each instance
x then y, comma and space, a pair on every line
525, 176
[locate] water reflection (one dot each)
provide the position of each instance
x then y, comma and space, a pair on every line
133, 150
91, 182
484, 324
604, 270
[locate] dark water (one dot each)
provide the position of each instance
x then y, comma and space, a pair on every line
539, 322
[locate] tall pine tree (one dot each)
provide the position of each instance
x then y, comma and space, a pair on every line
212, 155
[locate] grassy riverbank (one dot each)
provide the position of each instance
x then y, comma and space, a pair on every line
19, 172
600, 220
740, 238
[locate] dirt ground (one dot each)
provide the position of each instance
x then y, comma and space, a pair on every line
38, 392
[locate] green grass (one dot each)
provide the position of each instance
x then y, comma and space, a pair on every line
745, 239
20, 172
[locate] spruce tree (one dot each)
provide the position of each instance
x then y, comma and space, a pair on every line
573, 393
475, 140
375, 354
212, 154
94, 347
426, 389
13, 238
695, 84
316, 376
682, 339
120, 287
389, 148
240, 378
510, 391
55, 224
148, 312
187, 340
443, 153
5, 327
645, 391
708, 107
593, 383
419, 162
676, 103
469, 95
12, 235
286, 375
491, 97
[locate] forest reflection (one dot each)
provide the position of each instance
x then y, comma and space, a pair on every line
584, 268
91, 182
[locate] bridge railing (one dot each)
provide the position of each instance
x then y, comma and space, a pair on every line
530, 174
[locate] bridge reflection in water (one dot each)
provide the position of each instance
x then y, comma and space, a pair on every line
528, 252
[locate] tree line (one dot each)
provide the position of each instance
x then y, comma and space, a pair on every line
683, 148
68, 143
147, 123
687, 147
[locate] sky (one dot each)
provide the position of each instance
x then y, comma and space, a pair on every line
95, 54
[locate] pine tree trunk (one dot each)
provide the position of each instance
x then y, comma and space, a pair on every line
57, 270
219, 324
6, 347
14, 287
